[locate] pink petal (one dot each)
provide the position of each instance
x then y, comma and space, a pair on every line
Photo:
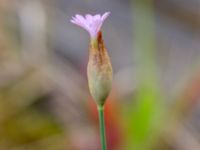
97, 17
88, 17
105, 15
80, 18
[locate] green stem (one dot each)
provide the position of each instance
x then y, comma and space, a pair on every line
102, 127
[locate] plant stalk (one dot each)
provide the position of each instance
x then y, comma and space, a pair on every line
102, 127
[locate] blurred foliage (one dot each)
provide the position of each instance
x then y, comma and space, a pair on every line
21, 120
144, 118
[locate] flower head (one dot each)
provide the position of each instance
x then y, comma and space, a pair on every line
90, 23
99, 69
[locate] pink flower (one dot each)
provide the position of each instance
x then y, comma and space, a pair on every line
90, 23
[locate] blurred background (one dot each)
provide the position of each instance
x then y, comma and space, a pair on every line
154, 47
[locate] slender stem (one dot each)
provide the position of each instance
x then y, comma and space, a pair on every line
102, 127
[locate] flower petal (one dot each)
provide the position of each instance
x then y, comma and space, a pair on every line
97, 17
89, 17
105, 15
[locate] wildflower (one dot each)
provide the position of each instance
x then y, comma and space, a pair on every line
90, 23
99, 69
